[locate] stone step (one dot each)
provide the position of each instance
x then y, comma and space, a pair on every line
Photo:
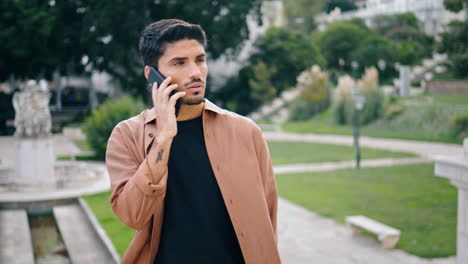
15, 237
83, 243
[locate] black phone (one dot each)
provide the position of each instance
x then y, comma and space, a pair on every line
156, 76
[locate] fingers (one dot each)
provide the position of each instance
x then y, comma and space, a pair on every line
176, 96
169, 89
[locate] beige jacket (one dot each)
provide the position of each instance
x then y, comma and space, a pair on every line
241, 163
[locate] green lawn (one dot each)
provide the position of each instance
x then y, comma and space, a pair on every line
82, 144
284, 152
410, 198
421, 121
120, 234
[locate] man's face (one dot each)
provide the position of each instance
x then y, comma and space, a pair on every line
185, 62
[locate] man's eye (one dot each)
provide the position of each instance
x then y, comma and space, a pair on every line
201, 60
179, 63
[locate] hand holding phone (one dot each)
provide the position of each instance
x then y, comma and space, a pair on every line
156, 76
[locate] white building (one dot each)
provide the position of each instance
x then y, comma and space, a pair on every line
431, 13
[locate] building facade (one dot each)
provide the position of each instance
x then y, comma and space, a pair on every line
431, 13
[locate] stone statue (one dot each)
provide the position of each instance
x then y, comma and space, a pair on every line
32, 115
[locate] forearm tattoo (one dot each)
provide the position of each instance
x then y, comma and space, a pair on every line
160, 154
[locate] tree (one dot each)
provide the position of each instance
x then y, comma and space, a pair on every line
339, 42
300, 14
262, 88
39, 36
455, 40
455, 5
373, 48
288, 52
34, 41
344, 5
410, 42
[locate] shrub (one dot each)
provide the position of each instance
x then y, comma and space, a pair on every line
314, 96
103, 119
393, 111
460, 126
343, 105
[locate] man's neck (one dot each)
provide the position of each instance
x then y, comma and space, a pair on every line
188, 112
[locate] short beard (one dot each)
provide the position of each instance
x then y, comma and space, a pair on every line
193, 100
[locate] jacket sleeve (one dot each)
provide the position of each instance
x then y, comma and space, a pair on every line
135, 197
268, 177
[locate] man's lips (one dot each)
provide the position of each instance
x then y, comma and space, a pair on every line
196, 87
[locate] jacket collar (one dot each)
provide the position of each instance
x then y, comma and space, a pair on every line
150, 115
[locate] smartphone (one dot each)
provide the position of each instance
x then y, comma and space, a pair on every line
156, 76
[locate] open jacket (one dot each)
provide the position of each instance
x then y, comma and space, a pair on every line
241, 163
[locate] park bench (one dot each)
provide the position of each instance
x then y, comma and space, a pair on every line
387, 235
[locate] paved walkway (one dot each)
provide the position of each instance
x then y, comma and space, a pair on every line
305, 237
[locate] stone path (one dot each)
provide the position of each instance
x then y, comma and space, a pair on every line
15, 242
305, 237
82, 242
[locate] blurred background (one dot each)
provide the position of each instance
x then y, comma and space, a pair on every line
314, 74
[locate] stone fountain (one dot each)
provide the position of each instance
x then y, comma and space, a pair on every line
42, 216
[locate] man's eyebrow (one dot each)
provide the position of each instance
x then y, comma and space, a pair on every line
185, 58
178, 58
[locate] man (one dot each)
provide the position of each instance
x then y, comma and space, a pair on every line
199, 187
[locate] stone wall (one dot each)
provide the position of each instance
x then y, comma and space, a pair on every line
447, 87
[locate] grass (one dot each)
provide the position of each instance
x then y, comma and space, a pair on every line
284, 152
82, 144
409, 198
120, 234
451, 99
423, 122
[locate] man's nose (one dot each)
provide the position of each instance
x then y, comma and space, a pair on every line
194, 71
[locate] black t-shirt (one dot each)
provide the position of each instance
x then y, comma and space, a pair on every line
196, 226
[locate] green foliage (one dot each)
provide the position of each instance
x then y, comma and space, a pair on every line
455, 5
339, 41
410, 42
314, 94
39, 36
103, 119
343, 104
262, 87
373, 49
409, 198
288, 52
300, 14
455, 40
393, 111
455, 44
460, 126
344, 5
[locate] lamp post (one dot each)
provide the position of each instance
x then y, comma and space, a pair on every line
355, 66
382, 64
359, 101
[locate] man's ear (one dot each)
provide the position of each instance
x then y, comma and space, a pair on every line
146, 71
